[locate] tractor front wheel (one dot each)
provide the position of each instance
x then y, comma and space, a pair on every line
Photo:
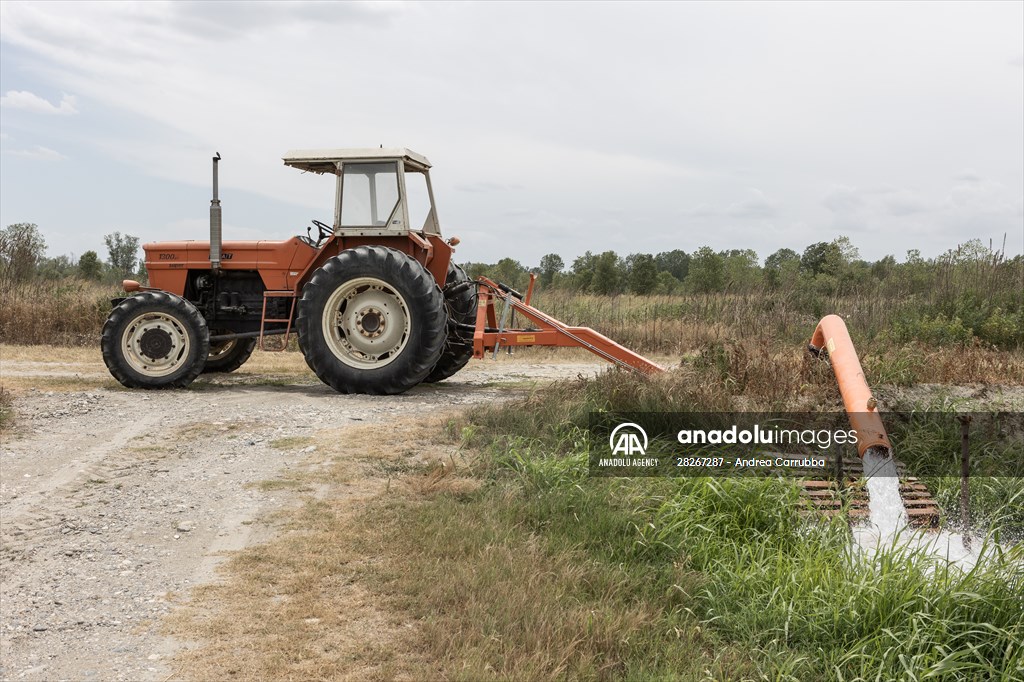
155, 340
227, 356
371, 320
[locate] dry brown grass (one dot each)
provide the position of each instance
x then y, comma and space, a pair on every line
302, 606
58, 355
69, 312
288, 363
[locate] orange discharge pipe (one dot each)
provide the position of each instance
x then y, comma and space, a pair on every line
832, 337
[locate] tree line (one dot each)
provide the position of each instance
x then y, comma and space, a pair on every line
833, 267
23, 258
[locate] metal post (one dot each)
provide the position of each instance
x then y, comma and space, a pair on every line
215, 222
840, 490
965, 476
839, 468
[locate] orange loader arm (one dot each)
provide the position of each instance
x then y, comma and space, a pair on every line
831, 336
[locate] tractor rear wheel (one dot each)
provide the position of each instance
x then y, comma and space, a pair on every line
227, 356
371, 320
461, 306
155, 340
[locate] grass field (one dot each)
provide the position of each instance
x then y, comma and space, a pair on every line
509, 562
545, 573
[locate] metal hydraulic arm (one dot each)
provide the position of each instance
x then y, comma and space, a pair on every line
490, 332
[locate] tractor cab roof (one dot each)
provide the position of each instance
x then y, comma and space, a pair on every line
327, 160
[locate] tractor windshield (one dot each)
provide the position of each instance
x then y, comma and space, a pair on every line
369, 196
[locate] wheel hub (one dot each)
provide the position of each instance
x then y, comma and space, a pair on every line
155, 343
370, 322
366, 323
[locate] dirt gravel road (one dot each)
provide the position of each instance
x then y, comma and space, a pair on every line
115, 503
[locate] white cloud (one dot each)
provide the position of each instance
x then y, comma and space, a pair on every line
967, 175
38, 152
849, 203
903, 202
844, 200
28, 101
756, 205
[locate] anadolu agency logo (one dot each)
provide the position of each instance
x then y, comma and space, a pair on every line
628, 443
628, 439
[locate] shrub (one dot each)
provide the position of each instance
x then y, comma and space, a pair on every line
937, 330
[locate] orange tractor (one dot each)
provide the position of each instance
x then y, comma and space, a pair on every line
375, 299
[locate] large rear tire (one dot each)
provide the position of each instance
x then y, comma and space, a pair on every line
461, 306
155, 340
371, 320
227, 356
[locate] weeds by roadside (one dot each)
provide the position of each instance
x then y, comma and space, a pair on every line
65, 312
6, 409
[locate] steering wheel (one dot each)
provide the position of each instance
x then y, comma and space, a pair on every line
325, 231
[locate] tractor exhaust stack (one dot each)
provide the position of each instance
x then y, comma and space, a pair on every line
215, 222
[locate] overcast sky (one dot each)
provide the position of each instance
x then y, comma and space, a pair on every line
551, 127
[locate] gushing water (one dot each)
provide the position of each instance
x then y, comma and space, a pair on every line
884, 502
888, 523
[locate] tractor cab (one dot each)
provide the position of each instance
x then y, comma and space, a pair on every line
380, 192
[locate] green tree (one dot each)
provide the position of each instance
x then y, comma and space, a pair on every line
675, 262
780, 266
847, 251
142, 274
707, 271
550, 265
971, 251
510, 272
123, 251
821, 258
643, 273
667, 284
607, 274
475, 270
57, 267
883, 267
741, 269
22, 249
89, 265
915, 275
583, 271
